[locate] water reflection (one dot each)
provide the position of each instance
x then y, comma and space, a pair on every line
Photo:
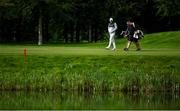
75, 100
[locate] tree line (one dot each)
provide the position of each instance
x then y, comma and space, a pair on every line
73, 21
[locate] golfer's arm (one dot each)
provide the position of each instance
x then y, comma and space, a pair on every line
115, 27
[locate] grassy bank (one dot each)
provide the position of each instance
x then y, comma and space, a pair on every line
90, 73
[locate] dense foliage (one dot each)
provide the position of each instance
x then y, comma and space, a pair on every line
82, 20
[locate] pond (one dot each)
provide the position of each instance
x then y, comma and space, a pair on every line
74, 100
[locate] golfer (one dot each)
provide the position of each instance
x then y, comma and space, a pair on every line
112, 27
131, 35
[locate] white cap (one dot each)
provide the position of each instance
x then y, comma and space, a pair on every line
110, 19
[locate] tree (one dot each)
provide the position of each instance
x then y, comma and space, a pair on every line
40, 33
78, 20
167, 9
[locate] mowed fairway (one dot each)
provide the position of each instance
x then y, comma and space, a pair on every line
61, 50
166, 43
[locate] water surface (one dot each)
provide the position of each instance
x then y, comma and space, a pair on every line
75, 100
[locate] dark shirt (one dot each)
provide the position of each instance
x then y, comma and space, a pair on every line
130, 30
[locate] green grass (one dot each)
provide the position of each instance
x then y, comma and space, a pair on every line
89, 67
165, 43
90, 73
165, 40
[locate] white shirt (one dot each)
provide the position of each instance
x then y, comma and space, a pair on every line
112, 27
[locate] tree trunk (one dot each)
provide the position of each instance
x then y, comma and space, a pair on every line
72, 31
66, 32
169, 23
40, 30
93, 33
96, 35
45, 31
96, 32
77, 33
90, 33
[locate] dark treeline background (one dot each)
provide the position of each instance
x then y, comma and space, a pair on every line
73, 21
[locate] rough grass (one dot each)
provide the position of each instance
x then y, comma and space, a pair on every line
90, 73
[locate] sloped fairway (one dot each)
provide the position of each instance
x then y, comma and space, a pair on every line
169, 40
165, 43
90, 67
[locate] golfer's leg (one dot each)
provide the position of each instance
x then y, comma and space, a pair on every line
128, 44
138, 45
113, 42
114, 45
110, 41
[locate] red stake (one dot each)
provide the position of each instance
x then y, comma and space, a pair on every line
24, 55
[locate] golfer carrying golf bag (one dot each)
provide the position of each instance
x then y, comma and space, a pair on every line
131, 35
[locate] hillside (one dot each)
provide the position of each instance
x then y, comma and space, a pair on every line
162, 40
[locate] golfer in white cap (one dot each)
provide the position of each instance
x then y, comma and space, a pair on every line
112, 27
